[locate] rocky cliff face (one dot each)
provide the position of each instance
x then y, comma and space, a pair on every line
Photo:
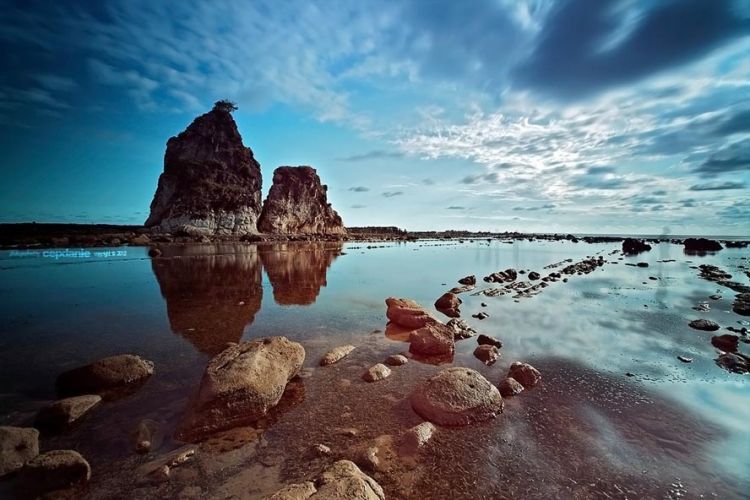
211, 181
297, 204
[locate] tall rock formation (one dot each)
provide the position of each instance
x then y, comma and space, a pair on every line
297, 204
211, 181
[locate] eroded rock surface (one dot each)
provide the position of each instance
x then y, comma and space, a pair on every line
461, 329
18, 445
456, 396
56, 470
298, 204
432, 339
342, 480
104, 375
487, 354
407, 313
211, 182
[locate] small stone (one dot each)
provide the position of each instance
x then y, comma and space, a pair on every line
158, 470
733, 362
376, 372
461, 329
510, 387
715, 296
533, 276
704, 324
525, 374
685, 359
487, 354
468, 280
320, 450
18, 445
642, 264
106, 374
480, 315
396, 360
336, 354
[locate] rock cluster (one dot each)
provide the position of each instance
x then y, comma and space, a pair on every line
502, 276
427, 335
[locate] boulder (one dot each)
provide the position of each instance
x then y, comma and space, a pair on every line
242, 383
107, 374
533, 276
18, 445
343, 481
396, 360
211, 182
298, 204
632, 246
726, 342
376, 372
407, 313
461, 329
65, 412
487, 354
741, 304
416, 438
525, 374
701, 245
510, 387
704, 324
468, 280
432, 339
448, 304
298, 491
456, 396
56, 470
487, 340
336, 354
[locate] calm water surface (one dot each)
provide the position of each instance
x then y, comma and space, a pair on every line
668, 430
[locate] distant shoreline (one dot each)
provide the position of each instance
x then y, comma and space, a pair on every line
39, 235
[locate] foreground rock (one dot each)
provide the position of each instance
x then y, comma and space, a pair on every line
700, 245
105, 375
336, 354
525, 374
632, 246
510, 387
487, 354
211, 182
298, 204
242, 383
376, 372
18, 445
704, 324
448, 304
56, 470
456, 396
341, 481
432, 339
502, 276
65, 412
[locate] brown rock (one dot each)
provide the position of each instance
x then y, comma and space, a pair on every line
468, 280
416, 438
298, 491
64, 412
56, 470
211, 182
242, 383
376, 372
448, 304
432, 339
18, 445
297, 204
456, 396
407, 313
343, 481
510, 387
726, 342
525, 374
159, 470
487, 340
487, 354
396, 360
336, 354
106, 374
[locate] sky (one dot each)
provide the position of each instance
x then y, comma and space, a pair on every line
582, 116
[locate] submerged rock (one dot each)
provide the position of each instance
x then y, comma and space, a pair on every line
510, 387
56, 470
480, 315
18, 445
336, 354
343, 480
211, 182
298, 204
487, 354
376, 372
64, 412
148, 435
242, 383
159, 470
456, 396
700, 245
487, 340
632, 246
461, 329
704, 324
525, 374
104, 375
448, 304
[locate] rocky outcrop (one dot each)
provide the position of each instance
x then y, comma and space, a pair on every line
457, 396
701, 245
211, 182
297, 204
241, 384
407, 313
65, 412
427, 336
18, 445
105, 376
632, 246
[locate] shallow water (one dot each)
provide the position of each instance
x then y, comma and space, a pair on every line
668, 430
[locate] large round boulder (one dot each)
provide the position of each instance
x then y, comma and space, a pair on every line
457, 396
104, 375
242, 383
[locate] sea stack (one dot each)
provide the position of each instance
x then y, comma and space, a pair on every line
211, 182
297, 204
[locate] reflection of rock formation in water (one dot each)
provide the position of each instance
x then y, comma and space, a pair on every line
204, 287
298, 271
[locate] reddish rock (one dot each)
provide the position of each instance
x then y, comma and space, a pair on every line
510, 387
525, 374
448, 304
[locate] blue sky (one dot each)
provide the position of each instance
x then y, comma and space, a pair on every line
573, 115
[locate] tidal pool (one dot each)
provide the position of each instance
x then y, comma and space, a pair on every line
617, 414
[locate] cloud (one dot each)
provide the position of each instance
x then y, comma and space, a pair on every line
455, 207
715, 186
391, 194
491, 177
56, 82
733, 158
599, 182
359, 206
586, 46
597, 170
378, 154
359, 189
428, 182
